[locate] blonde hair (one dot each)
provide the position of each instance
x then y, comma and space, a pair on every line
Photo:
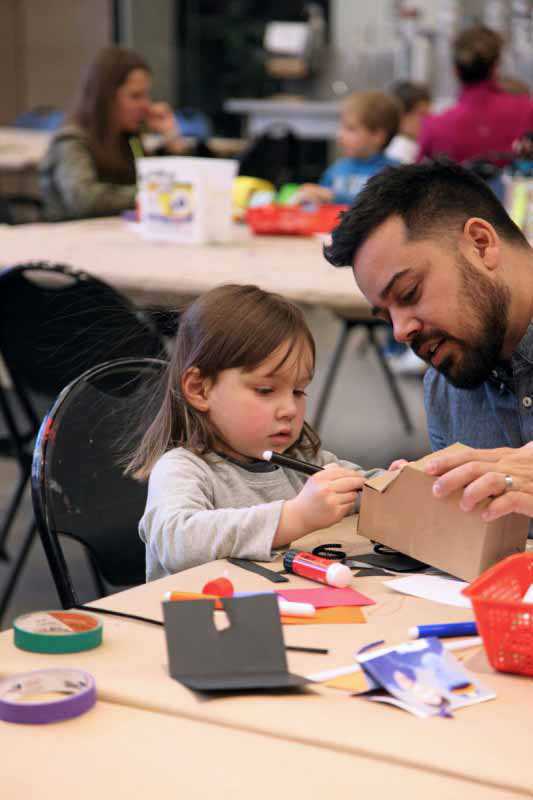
376, 111
229, 327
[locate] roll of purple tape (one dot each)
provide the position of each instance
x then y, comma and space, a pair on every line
77, 686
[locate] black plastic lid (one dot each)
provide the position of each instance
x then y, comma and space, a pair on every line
288, 558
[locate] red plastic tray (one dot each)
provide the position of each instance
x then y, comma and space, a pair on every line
275, 220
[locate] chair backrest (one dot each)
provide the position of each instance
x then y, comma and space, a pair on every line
55, 323
19, 209
78, 486
41, 118
275, 156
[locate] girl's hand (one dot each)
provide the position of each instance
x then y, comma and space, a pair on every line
313, 193
160, 119
326, 498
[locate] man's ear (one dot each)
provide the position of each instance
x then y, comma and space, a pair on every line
482, 236
195, 389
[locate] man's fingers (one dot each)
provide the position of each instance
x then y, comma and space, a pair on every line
459, 477
440, 464
492, 484
398, 464
517, 502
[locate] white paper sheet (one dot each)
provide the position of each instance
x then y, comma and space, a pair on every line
432, 587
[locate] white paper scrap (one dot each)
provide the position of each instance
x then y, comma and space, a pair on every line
528, 597
432, 587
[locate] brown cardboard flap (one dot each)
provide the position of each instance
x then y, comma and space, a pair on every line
420, 465
381, 482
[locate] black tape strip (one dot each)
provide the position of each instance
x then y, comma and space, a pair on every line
251, 566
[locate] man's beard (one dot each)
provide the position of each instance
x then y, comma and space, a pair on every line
487, 303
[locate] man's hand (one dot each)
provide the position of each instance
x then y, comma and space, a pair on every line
482, 474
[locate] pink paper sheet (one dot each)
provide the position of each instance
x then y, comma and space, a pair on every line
326, 597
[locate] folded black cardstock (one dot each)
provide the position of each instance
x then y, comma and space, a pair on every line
250, 654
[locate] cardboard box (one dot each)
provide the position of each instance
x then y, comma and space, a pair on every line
398, 509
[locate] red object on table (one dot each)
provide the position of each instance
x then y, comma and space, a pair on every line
220, 587
504, 621
293, 220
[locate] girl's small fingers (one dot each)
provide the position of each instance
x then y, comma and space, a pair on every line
347, 484
346, 508
346, 498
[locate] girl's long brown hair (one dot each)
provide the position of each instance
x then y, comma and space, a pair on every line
229, 327
93, 112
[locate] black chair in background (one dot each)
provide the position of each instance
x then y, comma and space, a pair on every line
18, 209
55, 323
275, 156
78, 486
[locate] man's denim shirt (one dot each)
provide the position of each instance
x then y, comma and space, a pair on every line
497, 414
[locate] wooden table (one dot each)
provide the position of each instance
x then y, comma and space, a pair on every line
122, 753
485, 746
166, 274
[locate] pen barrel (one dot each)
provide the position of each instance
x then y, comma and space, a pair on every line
444, 630
292, 463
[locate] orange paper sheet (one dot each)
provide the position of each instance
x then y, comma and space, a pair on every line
355, 682
341, 615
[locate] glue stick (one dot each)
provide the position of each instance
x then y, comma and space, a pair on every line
317, 569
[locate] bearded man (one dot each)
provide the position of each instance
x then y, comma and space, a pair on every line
437, 256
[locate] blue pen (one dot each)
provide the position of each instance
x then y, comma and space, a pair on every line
445, 629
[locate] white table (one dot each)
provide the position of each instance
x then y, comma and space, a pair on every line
165, 274
308, 119
22, 149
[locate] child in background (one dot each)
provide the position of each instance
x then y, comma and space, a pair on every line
369, 120
235, 387
415, 101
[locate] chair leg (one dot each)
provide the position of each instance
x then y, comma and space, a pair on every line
331, 373
99, 583
5, 599
11, 512
392, 382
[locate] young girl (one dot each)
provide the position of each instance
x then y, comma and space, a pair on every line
235, 387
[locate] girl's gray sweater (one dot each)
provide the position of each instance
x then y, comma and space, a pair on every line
203, 509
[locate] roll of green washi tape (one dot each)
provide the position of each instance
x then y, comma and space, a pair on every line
57, 631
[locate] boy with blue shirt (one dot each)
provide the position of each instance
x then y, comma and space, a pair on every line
369, 120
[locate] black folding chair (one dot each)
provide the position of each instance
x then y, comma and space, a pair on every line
55, 323
19, 209
78, 486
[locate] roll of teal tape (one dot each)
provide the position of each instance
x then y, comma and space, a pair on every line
57, 631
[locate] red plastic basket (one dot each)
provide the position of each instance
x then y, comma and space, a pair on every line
504, 622
275, 220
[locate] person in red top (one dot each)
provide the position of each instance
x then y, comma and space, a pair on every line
486, 119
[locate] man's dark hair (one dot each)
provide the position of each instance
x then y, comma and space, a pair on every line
410, 94
433, 198
476, 51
